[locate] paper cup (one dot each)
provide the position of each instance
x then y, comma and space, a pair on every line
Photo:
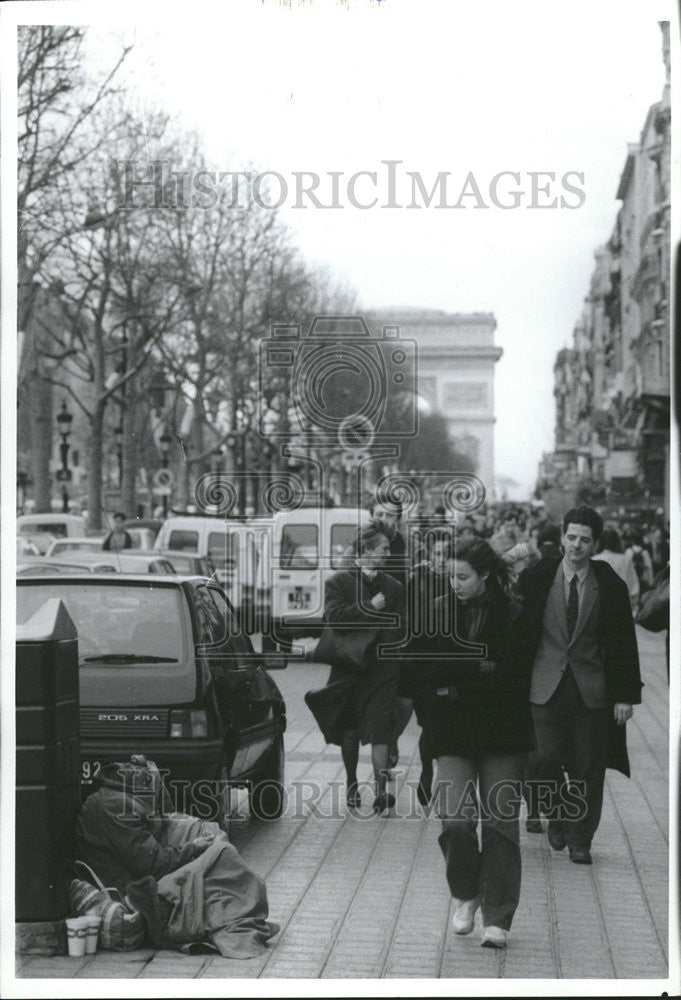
76, 935
93, 925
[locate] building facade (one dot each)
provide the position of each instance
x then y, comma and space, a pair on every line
612, 385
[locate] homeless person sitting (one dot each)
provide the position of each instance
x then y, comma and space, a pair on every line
180, 872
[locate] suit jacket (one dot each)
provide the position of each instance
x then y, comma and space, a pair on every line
581, 651
614, 635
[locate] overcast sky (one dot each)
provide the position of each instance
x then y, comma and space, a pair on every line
442, 86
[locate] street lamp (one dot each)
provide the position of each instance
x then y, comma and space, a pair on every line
23, 481
164, 444
64, 419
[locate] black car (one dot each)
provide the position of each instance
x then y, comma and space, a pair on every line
165, 671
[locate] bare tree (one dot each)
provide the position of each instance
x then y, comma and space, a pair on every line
110, 279
56, 103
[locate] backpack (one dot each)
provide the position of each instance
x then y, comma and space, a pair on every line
121, 929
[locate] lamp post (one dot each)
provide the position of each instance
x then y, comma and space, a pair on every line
164, 444
64, 419
23, 480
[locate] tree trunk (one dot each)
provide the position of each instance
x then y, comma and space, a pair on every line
95, 469
130, 425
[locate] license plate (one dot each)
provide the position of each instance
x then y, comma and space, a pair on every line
299, 600
89, 769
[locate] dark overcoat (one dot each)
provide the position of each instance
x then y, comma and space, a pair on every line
363, 700
616, 639
481, 713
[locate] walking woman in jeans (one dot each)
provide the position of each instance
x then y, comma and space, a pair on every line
477, 725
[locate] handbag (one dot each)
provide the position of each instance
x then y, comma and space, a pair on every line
346, 649
122, 928
653, 614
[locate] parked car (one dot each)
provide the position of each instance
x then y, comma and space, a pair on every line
188, 563
121, 562
62, 546
26, 547
166, 671
230, 547
41, 540
57, 525
29, 566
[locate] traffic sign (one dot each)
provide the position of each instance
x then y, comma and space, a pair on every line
163, 491
163, 479
63, 475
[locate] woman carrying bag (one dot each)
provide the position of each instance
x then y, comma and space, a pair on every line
477, 725
363, 609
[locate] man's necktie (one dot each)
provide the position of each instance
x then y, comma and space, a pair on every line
572, 606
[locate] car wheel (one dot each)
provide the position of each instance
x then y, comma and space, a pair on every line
267, 792
211, 800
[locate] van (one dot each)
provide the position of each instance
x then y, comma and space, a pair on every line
308, 546
228, 546
56, 525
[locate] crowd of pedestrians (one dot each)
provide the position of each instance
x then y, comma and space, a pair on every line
512, 640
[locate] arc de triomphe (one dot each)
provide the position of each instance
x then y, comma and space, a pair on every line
456, 358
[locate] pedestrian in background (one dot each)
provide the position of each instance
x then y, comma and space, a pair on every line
640, 558
507, 534
427, 581
610, 551
522, 555
477, 726
118, 538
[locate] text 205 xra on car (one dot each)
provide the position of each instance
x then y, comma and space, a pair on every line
165, 671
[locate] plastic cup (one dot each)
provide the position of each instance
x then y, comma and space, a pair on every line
76, 935
93, 925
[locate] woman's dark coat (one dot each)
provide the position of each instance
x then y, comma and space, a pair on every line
364, 700
481, 713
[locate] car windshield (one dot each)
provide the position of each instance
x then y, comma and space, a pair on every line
132, 642
185, 541
58, 529
299, 546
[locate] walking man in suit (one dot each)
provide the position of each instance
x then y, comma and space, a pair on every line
585, 679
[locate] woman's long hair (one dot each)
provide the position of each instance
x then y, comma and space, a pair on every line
481, 557
367, 538
610, 540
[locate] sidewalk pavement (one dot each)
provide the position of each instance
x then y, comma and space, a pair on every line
365, 897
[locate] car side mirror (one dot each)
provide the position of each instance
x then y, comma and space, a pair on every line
274, 661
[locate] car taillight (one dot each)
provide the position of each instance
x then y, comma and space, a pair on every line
188, 723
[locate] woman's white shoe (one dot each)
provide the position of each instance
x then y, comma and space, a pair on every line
464, 915
494, 937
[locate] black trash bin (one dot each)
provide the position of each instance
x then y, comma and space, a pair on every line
48, 763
